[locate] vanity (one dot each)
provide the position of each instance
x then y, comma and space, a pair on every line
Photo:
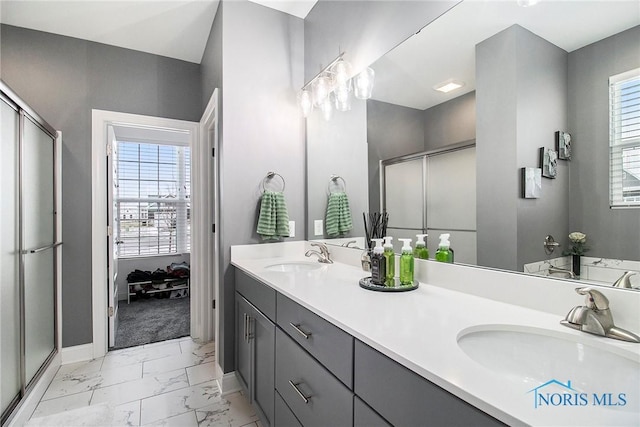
313, 348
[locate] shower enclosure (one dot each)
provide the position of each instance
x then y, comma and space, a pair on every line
28, 250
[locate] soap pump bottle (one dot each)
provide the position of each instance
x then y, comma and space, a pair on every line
406, 263
378, 264
390, 261
421, 250
443, 254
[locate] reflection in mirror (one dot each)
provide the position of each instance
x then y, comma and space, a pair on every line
524, 74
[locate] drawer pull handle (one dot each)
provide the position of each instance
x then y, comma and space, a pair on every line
300, 393
306, 335
246, 328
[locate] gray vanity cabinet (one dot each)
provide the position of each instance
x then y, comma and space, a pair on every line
255, 352
284, 417
364, 416
313, 394
332, 346
404, 398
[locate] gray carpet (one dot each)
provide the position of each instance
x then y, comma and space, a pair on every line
144, 321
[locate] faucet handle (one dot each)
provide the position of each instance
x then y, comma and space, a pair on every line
595, 299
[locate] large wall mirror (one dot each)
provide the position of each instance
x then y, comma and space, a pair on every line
452, 162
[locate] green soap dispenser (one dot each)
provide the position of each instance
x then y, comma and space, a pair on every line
443, 254
390, 259
406, 263
421, 250
378, 264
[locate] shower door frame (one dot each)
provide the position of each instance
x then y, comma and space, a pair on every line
32, 391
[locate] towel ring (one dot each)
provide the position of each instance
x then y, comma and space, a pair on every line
271, 175
334, 179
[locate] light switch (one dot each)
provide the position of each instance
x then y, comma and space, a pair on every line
318, 227
292, 229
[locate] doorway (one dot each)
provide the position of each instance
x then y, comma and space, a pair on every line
149, 223
136, 128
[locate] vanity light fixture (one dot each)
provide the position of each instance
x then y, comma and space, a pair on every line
448, 86
333, 87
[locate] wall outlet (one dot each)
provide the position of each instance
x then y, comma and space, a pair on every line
318, 227
292, 229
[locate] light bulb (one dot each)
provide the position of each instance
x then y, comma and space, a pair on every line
327, 108
341, 71
363, 85
342, 96
320, 88
305, 102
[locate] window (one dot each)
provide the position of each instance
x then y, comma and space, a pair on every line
624, 140
153, 200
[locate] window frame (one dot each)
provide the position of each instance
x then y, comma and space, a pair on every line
182, 202
617, 143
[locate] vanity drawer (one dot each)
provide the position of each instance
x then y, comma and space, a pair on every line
326, 342
300, 377
404, 398
364, 416
284, 416
257, 293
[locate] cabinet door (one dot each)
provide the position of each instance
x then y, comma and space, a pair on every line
243, 349
262, 339
414, 400
364, 416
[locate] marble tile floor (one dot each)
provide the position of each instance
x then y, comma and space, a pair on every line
171, 383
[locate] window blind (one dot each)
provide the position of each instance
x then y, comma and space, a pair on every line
624, 140
153, 199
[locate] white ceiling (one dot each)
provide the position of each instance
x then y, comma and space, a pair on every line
173, 28
445, 49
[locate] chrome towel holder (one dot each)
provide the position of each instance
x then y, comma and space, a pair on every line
334, 179
269, 177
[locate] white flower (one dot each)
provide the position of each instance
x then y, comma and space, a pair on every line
577, 237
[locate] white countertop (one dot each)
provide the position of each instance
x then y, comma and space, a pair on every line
419, 329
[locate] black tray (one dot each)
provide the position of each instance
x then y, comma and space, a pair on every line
366, 283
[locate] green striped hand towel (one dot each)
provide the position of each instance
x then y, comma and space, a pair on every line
338, 219
273, 221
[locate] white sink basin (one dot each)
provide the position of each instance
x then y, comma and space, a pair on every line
294, 267
535, 356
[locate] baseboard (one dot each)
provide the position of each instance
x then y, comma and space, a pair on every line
77, 353
228, 384
28, 405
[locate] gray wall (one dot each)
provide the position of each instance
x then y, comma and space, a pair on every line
450, 122
262, 68
611, 233
337, 146
521, 88
211, 65
63, 78
392, 131
365, 30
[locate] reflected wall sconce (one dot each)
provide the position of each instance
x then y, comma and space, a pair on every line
333, 88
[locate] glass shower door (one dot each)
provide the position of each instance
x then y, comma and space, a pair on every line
38, 243
10, 382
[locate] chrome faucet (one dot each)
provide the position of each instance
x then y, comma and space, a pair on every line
323, 254
623, 281
595, 317
553, 270
346, 245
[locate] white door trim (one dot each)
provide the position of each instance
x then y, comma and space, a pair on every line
205, 214
99, 120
